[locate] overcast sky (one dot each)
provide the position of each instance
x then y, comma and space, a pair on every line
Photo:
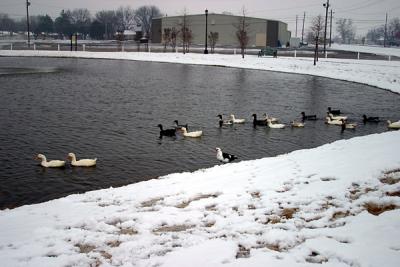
365, 13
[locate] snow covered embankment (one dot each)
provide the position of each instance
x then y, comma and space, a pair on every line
382, 74
336, 204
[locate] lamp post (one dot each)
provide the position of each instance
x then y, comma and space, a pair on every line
326, 22
27, 22
205, 50
330, 31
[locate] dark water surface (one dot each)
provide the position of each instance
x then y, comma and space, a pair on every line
109, 109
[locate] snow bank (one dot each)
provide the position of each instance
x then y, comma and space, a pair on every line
382, 74
379, 50
336, 204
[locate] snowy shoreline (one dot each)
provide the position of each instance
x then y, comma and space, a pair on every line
337, 204
381, 74
319, 205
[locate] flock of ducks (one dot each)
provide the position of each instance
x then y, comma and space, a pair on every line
61, 163
334, 117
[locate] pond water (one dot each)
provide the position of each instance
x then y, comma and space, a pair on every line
110, 109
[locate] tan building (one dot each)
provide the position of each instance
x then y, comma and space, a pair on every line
262, 32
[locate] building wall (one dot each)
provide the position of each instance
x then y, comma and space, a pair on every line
261, 32
156, 34
283, 34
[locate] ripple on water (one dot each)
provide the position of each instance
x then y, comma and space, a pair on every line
110, 109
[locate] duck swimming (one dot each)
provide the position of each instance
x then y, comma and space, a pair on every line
51, 163
258, 122
193, 134
393, 125
334, 111
167, 132
81, 162
234, 120
370, 119
308, 117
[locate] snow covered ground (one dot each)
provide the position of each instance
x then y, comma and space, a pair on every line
336, 205
382, 74
379, 50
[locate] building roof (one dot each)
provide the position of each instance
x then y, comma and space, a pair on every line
218, 14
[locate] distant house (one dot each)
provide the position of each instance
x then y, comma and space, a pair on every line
129, 34
262, 32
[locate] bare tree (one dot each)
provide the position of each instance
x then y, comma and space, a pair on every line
346, 30
394, 31
166, 38
242, 34
213, 39
126, 18
317, 27
109, 20
174, 36
7, 23
144, 16
81, 20
185, 33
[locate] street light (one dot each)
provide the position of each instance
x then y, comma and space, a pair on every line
205, 50
326, 21
27, 21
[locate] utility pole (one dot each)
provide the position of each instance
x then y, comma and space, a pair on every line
27, 22
302, 31
326, 21
205, 50
296, 25
384, 39
330, 31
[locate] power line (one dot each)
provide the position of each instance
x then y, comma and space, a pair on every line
361, 7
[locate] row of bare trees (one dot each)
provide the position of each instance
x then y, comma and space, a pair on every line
103, 25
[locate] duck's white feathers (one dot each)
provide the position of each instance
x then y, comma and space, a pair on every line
51, 163
191, 134
393, 125
297, 124
81, 162
234, 120
276, 125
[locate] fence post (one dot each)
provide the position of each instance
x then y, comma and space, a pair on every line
326, 54
34, 46
176, 49
358, 55
123, 47
83, 47
390, 58
295, 53
149, 46
234, 51
11, 47
58, 47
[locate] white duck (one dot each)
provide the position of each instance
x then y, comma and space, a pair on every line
336, 117
333, 122
234, 120
393, 125
276, 125
268, 118
191, 134
81, 162
297, 124
51, 163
